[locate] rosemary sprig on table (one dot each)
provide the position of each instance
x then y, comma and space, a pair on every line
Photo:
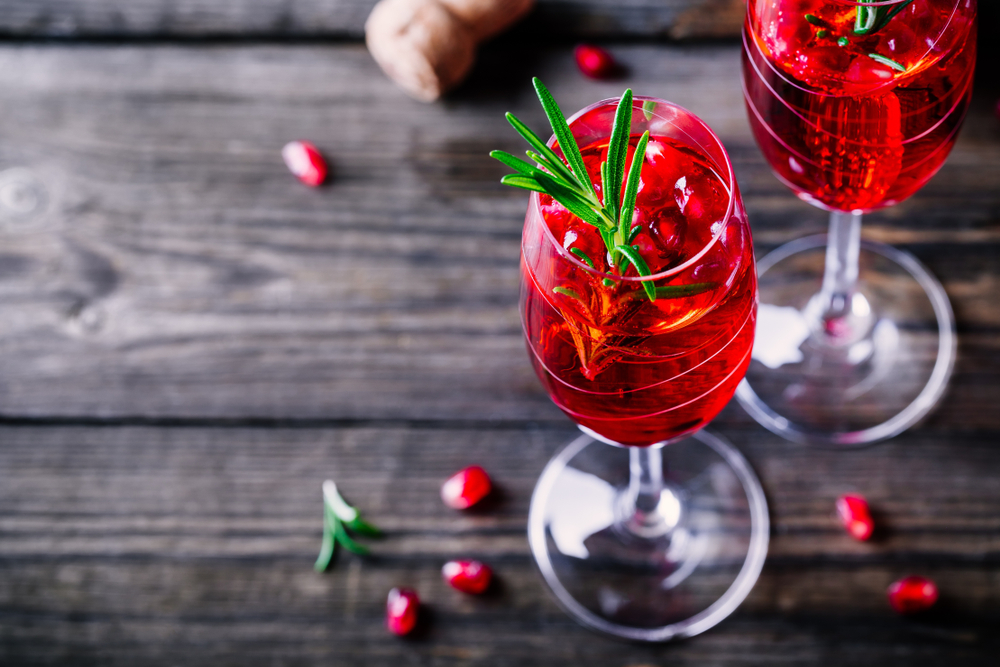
338, 517
569, 183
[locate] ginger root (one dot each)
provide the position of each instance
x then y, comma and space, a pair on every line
428, 46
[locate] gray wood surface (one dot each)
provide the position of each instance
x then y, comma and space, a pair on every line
346, 18
194, 546
191, 340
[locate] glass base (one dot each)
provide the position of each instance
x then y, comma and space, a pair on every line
667, 584
858, 379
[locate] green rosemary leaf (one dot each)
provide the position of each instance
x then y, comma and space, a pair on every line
328, 546
869, 20
843, 41
634, 232
362, 527
617, 152
565, 291
864, 19
582, 255
632, 185
515, 163
345, 540
572, 199
675, 291
523, 182
557, 168
563, 134
641, 268
542, 149
888, 62
608, 282
815, 20
605, 184
822, 33
648, 107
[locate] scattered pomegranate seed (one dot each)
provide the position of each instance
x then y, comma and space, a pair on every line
305, 161
401, 610
468, 576
594, 61
466, 488
912, 594
854, 514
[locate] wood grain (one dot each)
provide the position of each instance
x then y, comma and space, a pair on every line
178, 271
195, 545
191, 341
346, 18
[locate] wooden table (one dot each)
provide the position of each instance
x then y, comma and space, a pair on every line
191, 341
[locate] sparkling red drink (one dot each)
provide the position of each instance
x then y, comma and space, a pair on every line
855, 122
633, 370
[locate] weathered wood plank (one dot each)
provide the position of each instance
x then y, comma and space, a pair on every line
346, 18
175, 269
195, 545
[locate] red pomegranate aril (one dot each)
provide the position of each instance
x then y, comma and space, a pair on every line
594, 61
855, 516
912, 594
466, 488
305, 161
468, 576
401, 610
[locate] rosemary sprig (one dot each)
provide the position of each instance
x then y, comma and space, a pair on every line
569, 183
338, 516
869, 20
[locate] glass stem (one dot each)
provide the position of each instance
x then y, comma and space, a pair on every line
645, 491
840, 275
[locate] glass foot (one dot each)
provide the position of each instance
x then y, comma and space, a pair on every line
672, 577
856, 379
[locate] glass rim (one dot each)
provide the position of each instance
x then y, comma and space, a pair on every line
729, 181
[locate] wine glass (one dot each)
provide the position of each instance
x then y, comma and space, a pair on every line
855, 106
646, 527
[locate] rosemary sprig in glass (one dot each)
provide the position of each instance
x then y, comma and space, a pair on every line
869, 20
569, 183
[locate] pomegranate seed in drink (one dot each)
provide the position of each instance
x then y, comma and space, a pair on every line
468, 576
401, 610
854, 515
912, 594
466, 488
594, 61
305, 161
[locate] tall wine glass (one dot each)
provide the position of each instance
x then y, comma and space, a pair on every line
855, 105
646, 527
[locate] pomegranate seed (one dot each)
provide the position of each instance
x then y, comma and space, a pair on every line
466, 488
854, 515
401, 610
468, 576
912, 594
305, 161
594, 61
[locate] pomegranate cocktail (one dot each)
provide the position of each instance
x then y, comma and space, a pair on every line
856, 106
639, 323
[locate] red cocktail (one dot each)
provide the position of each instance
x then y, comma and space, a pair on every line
857, 122
636, 371
855, 105
639, 313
